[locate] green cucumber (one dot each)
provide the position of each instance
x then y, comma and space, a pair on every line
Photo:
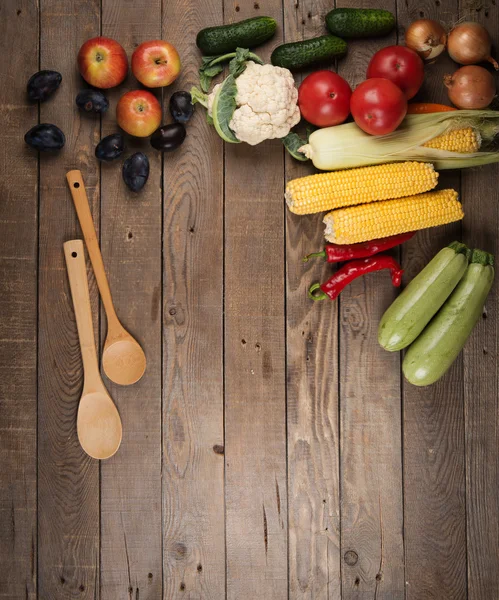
432, 354
409, 314
224, 105
297, 55
359, 22
245, 34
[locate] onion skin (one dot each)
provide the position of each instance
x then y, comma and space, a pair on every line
469, 43
426, 37
470, 87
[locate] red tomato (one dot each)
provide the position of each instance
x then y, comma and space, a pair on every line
378, 106
400, 65
324, 99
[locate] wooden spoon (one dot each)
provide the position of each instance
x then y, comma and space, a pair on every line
123, 359
98, 422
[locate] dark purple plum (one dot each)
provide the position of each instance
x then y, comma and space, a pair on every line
168, 137
45, 137
136, 171
43, 84
92, 101
110, 147
181, 107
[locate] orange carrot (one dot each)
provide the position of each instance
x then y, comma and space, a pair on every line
423, 108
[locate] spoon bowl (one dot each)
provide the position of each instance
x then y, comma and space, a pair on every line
99, 425
123, 360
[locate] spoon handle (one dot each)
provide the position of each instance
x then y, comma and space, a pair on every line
80, 199
77, 273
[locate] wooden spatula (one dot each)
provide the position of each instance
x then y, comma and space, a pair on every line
123, 359
98, 422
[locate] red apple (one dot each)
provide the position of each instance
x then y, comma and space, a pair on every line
102, 62
138, 113
155, 63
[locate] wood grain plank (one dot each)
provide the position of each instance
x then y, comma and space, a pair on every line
18, 305
481, 378
68, 544
131, 246
255, 417
312, 383
370, 415
193, 436
434, 481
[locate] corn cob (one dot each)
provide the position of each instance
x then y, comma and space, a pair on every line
458, 140
325, 191
391, 217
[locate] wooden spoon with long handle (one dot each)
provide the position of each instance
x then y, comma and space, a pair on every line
98, 422
123, 359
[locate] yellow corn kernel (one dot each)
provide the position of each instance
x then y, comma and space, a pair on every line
391, 217
325, 191
458, 140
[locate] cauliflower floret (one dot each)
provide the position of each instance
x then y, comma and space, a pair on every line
267, 104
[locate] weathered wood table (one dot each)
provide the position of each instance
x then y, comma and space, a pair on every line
272, 450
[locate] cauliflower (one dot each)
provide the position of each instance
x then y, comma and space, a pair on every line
266, 103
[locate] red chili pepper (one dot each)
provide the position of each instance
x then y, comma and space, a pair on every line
351, 271
334, 253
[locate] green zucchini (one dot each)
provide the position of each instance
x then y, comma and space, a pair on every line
359, 22
297, 55
409, 314
431, 355
244, 34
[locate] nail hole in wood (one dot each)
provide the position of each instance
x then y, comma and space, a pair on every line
256, 6
485, 351
63, 581
172, 312
218, 449
357, 581
150, 575
19, 11
130, 590
76, 185
200, 568
243, 342
421, 13
237, 8
82, 588
378, 576
130, 235
74, 254
309, 15
182, 586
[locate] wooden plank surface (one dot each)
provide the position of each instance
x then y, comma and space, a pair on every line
18, 306
481, 377
255, 399
255, 417
312, 383
433, 451
68, 485
131, 554
370, 422
193, 426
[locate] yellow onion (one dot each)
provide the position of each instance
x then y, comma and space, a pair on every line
469, 43
470, 87
426, 37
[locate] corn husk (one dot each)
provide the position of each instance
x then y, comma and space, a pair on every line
347, 146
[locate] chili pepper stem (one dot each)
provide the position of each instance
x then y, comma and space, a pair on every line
314, 255
314, 295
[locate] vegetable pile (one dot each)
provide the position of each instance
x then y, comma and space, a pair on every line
380, 167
